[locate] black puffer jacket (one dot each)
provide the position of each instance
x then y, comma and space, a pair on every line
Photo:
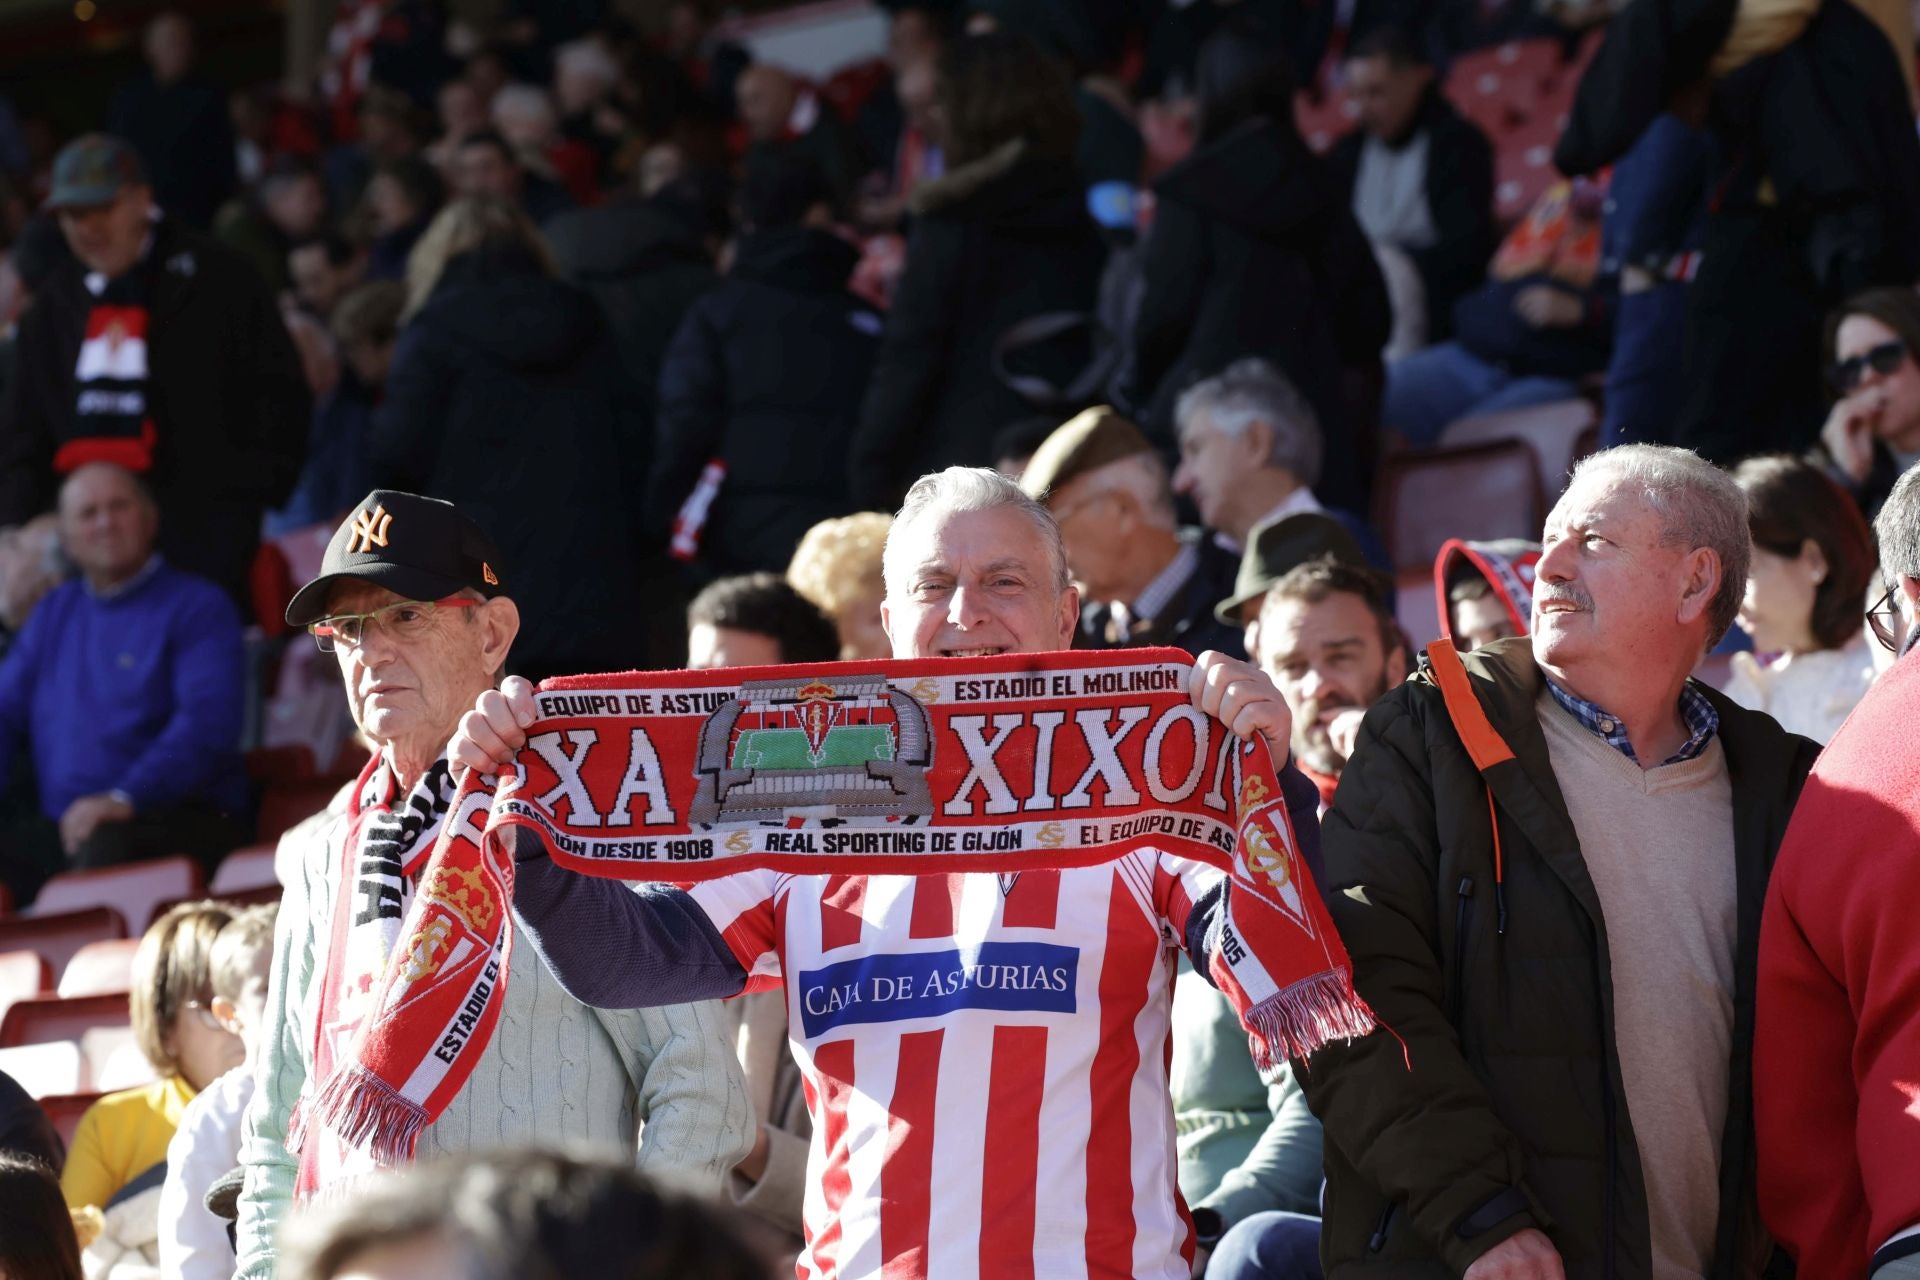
1497, 1103
766, 374
507, 400
993, 243
1254, 252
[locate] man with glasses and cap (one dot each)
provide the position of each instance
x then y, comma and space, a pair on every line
1836, 1049
413, 603
160, 350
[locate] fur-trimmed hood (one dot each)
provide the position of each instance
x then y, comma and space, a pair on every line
1009, 186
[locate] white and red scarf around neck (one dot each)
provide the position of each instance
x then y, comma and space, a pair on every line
349, 1120
1009, 764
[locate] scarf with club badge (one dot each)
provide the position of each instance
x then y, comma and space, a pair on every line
350, 1120
919, 766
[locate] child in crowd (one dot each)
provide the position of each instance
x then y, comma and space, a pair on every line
194, 1244
120, 1147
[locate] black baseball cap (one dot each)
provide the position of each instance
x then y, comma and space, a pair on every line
420, 548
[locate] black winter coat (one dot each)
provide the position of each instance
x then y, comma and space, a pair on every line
1459, 190
766, 374
1497, 1102
506, 399
993, 243
644, 266
226, 393
1254, 252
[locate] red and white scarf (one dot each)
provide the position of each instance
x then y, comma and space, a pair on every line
941, 765
404, 952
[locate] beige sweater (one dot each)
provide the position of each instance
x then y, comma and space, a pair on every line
1659, 846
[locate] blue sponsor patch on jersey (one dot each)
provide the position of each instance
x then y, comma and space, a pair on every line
1022, 977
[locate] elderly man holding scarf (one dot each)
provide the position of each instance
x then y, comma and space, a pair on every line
411, 601
998, 1135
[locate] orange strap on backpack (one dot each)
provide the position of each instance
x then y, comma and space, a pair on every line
1485, 747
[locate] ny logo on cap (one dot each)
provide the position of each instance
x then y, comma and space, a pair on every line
369, 531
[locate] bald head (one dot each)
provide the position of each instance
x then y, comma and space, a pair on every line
765, 97
108, 523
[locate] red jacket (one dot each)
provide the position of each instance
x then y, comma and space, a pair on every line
1836, 1059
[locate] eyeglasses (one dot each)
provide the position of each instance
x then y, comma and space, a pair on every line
203, 1014
1884, 620
404, 620
1883, 359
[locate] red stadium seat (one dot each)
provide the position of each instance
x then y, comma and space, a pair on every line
1478, 492
43, 1018
55, 1067
1499, 88
235, 898
65, 1110
290, 763
56, 937
1523, 165
23, 974
100, 969
1554, 432
287, 805
244, 869
136, 888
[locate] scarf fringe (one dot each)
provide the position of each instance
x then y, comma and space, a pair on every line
363, 1111
1312, 1012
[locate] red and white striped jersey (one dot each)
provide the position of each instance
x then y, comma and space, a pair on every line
986, 1070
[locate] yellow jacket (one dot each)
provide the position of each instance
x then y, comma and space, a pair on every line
121, 1137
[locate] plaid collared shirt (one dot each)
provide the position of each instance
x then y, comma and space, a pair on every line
1702, 722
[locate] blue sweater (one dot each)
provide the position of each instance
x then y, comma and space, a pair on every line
141, 692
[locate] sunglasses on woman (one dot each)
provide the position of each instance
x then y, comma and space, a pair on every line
1883, 619
1883, 360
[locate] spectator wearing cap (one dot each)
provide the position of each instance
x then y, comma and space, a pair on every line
766, 376
1484, 589
504, 383
124, 690
1250, 453
1273, 550
177, 121
1836, 1045
160, 350
412, 601
1145, 580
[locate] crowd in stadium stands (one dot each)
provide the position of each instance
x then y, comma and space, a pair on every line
1516, 401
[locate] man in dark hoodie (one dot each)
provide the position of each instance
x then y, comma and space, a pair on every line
1418, 175
765, 378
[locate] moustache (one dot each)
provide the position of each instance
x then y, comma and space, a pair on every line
1545, 593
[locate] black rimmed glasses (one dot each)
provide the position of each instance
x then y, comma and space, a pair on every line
403, 620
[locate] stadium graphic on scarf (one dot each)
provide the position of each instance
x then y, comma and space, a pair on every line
911, 767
